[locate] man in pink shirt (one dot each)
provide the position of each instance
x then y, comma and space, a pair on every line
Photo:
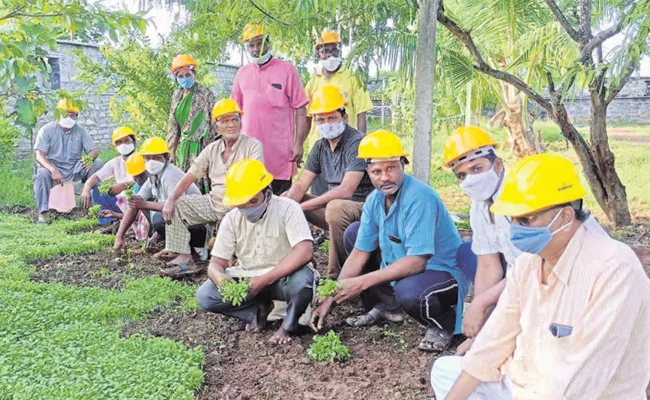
270, 93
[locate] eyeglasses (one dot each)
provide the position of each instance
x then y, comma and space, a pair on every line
525, 221
334, 52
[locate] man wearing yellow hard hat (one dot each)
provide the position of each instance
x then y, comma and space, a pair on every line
162, 178
113, 204
573, 321
405, 220
334, 159
213, 162
189, 129
269, 92
59, 148
273, 243
330, 71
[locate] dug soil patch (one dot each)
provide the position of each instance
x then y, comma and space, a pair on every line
105, 269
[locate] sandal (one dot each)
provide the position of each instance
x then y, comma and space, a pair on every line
179, 270
436, 340
376, 317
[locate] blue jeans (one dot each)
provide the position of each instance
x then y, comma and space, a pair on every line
467, 261
105, 202
427, 297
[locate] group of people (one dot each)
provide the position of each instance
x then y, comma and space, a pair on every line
559, 309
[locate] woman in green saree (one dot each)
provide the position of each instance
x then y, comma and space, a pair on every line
189, 129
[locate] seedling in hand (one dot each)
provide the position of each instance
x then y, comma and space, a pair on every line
128, 193
326, 288
328, 347
234, 292
87, 160
105, 187
93, 212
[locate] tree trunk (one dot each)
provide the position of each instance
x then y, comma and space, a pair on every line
519, 137
425, 62
602, 185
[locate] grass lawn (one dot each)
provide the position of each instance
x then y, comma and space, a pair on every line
61, 341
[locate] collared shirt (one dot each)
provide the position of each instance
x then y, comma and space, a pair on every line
416, 224
491, 236
211, 163
64, 149
262, 245
358, 99
599, 289
114, 168
269, 95
333, 164
159, 187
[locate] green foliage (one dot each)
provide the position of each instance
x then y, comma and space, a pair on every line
93, 212
16, 178
325, 246
128, 193
234, 292
86, 159
328, 347
62, 341
30, 30
326, 288
105, 186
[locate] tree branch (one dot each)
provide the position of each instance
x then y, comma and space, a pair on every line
482, 66
13, 13
585, 21
587, 49
614, 90
563, 20
267, 14
37, 15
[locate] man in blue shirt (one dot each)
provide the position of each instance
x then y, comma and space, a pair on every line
406, 220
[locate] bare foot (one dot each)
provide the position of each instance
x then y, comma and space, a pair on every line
281, 337
259, 324
182, 259
161, 254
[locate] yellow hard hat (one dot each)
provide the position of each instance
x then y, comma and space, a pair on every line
327, 37
66, 105
135, 164
329, 98
537, 183
154, 146
225, 106
122, 132
463, 141
381, 144
252, 31
244, 180
182, 60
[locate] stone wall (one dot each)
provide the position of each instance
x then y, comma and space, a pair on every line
96, 116
621, 109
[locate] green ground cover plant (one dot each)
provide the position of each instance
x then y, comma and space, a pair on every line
328, 347
234, 292
61, 341
326, 288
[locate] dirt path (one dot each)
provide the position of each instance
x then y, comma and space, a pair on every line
625, 135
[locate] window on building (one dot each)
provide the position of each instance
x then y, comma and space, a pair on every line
55, 75
647, 88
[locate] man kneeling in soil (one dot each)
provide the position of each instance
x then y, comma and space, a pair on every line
406, 220
273, 243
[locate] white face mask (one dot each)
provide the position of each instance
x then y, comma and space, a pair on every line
481, 187
154, 166
331, 64
125, 148
330, 131
263, 59
67, 122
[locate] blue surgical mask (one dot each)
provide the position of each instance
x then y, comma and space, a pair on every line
186, 83
533, 239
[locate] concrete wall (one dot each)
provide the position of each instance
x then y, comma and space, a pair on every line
96, 117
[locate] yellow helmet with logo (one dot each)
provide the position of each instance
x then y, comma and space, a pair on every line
244, 180
251, 31
327, 37
182, 60
122, 132
135, 164
329, 98
463, 141
154, 146
225, 106
66, 105
537, 183
381, 144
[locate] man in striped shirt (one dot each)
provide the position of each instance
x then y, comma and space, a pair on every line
573, 321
